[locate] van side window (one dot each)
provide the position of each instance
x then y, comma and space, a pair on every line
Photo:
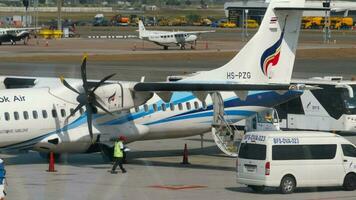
44, 114
7, 116
304, 152
34, 114
16, 115
252, 151
349, 150
25, 115
145, 107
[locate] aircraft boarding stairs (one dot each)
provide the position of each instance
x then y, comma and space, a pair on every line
225, 135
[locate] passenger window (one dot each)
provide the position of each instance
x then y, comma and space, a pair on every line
34, 114
155, 108
204, 105
196, 105
44, 114
349, 150
163, 107
25, 115
7, 116
63, 113
171, 106
71, 111
137, 109
16, 116
180, 106
145, 107
188, 106
54, 113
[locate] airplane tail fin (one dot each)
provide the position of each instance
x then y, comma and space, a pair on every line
141, 29
269, 56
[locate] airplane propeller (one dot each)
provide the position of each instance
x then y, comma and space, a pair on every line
87, 98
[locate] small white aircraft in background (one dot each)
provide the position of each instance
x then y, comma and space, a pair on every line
80, 115
14, 35
170, 38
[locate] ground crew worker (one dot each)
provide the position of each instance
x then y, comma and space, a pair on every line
268, 117
118, 154
2, 180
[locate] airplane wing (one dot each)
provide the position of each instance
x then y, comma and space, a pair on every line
195, 32
212, 86
20, 29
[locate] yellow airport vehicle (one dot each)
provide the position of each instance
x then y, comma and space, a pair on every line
227, 25
251, 23
49, 34
344, 23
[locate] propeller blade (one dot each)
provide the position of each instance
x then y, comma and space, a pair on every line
102, 81
84, 74
96, 103
66, 84
76, 109
89, 121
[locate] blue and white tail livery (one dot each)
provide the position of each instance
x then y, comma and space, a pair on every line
47, 114
269, 56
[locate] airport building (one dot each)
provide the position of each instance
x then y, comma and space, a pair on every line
256, 9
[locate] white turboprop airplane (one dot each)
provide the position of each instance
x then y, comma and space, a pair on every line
169, 38
47, 115
14, 35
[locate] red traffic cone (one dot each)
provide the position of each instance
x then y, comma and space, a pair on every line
185, 155
51, 163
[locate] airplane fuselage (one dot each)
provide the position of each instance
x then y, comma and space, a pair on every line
38, 118
13, 36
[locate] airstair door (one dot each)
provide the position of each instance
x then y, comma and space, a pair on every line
223, 131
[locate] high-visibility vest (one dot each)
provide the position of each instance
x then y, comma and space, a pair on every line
117, 150
2, 174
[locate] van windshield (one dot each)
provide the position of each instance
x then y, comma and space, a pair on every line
252, 151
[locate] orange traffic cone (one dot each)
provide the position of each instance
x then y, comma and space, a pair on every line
51, 163
185, 155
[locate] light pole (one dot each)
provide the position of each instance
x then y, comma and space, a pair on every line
327, 31
59, 22
26, 4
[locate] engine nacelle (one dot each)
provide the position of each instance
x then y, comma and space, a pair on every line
120, 96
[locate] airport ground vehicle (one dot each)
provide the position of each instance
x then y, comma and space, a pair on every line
344, 23
287, 159
332, 108
227, 24
251, 23
99, 20
118, 20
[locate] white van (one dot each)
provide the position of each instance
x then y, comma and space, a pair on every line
290, 159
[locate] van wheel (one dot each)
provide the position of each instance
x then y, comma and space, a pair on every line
350, 182
287, 185
257, 188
